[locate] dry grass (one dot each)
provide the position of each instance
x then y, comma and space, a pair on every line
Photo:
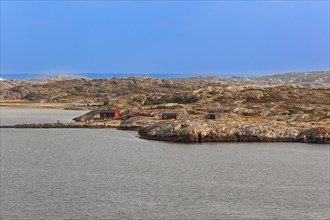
12, 101
35, 105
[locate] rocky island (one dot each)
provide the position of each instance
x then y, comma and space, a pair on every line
200, 131
291, 107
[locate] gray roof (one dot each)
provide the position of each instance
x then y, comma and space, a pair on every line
170, 114
108, 111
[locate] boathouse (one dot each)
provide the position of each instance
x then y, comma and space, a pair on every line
109, 114
170, 115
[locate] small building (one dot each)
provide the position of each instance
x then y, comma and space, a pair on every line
134, 114
111, 114
211, 116
170, 115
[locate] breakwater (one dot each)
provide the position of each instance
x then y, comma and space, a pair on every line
200, 131
61, 125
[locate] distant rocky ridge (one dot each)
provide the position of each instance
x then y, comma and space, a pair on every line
54, 78
47, 79
310, 79
75, 88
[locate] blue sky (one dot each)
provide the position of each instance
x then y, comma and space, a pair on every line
167, 37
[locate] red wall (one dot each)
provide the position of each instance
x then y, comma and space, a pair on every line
110, 115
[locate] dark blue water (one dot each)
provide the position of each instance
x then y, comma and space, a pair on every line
25, 76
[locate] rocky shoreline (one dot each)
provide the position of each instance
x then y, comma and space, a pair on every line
62, 125
198, 131
202, 131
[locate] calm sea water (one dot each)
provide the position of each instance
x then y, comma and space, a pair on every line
27, 76
110, 174
11, 116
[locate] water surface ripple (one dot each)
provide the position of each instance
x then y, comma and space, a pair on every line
111, 174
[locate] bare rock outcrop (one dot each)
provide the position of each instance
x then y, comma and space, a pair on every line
176, 131
201, 131
315, 135
135, 123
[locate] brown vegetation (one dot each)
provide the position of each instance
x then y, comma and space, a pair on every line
292, 106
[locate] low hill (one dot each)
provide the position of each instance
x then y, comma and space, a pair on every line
61, 88
54, 78
310, 79
298, 77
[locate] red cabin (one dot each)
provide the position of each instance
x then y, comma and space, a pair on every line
111, 114
168, 116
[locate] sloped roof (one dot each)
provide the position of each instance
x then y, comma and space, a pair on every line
170, 114
108, 111
133, 113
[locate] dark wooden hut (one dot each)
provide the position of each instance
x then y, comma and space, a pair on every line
211, 116
170, 115
109, 114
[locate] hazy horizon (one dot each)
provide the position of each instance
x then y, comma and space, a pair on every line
28, 76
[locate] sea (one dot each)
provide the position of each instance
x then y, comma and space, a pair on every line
60, 174
28, 76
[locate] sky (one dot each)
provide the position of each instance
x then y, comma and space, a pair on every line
164, 37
